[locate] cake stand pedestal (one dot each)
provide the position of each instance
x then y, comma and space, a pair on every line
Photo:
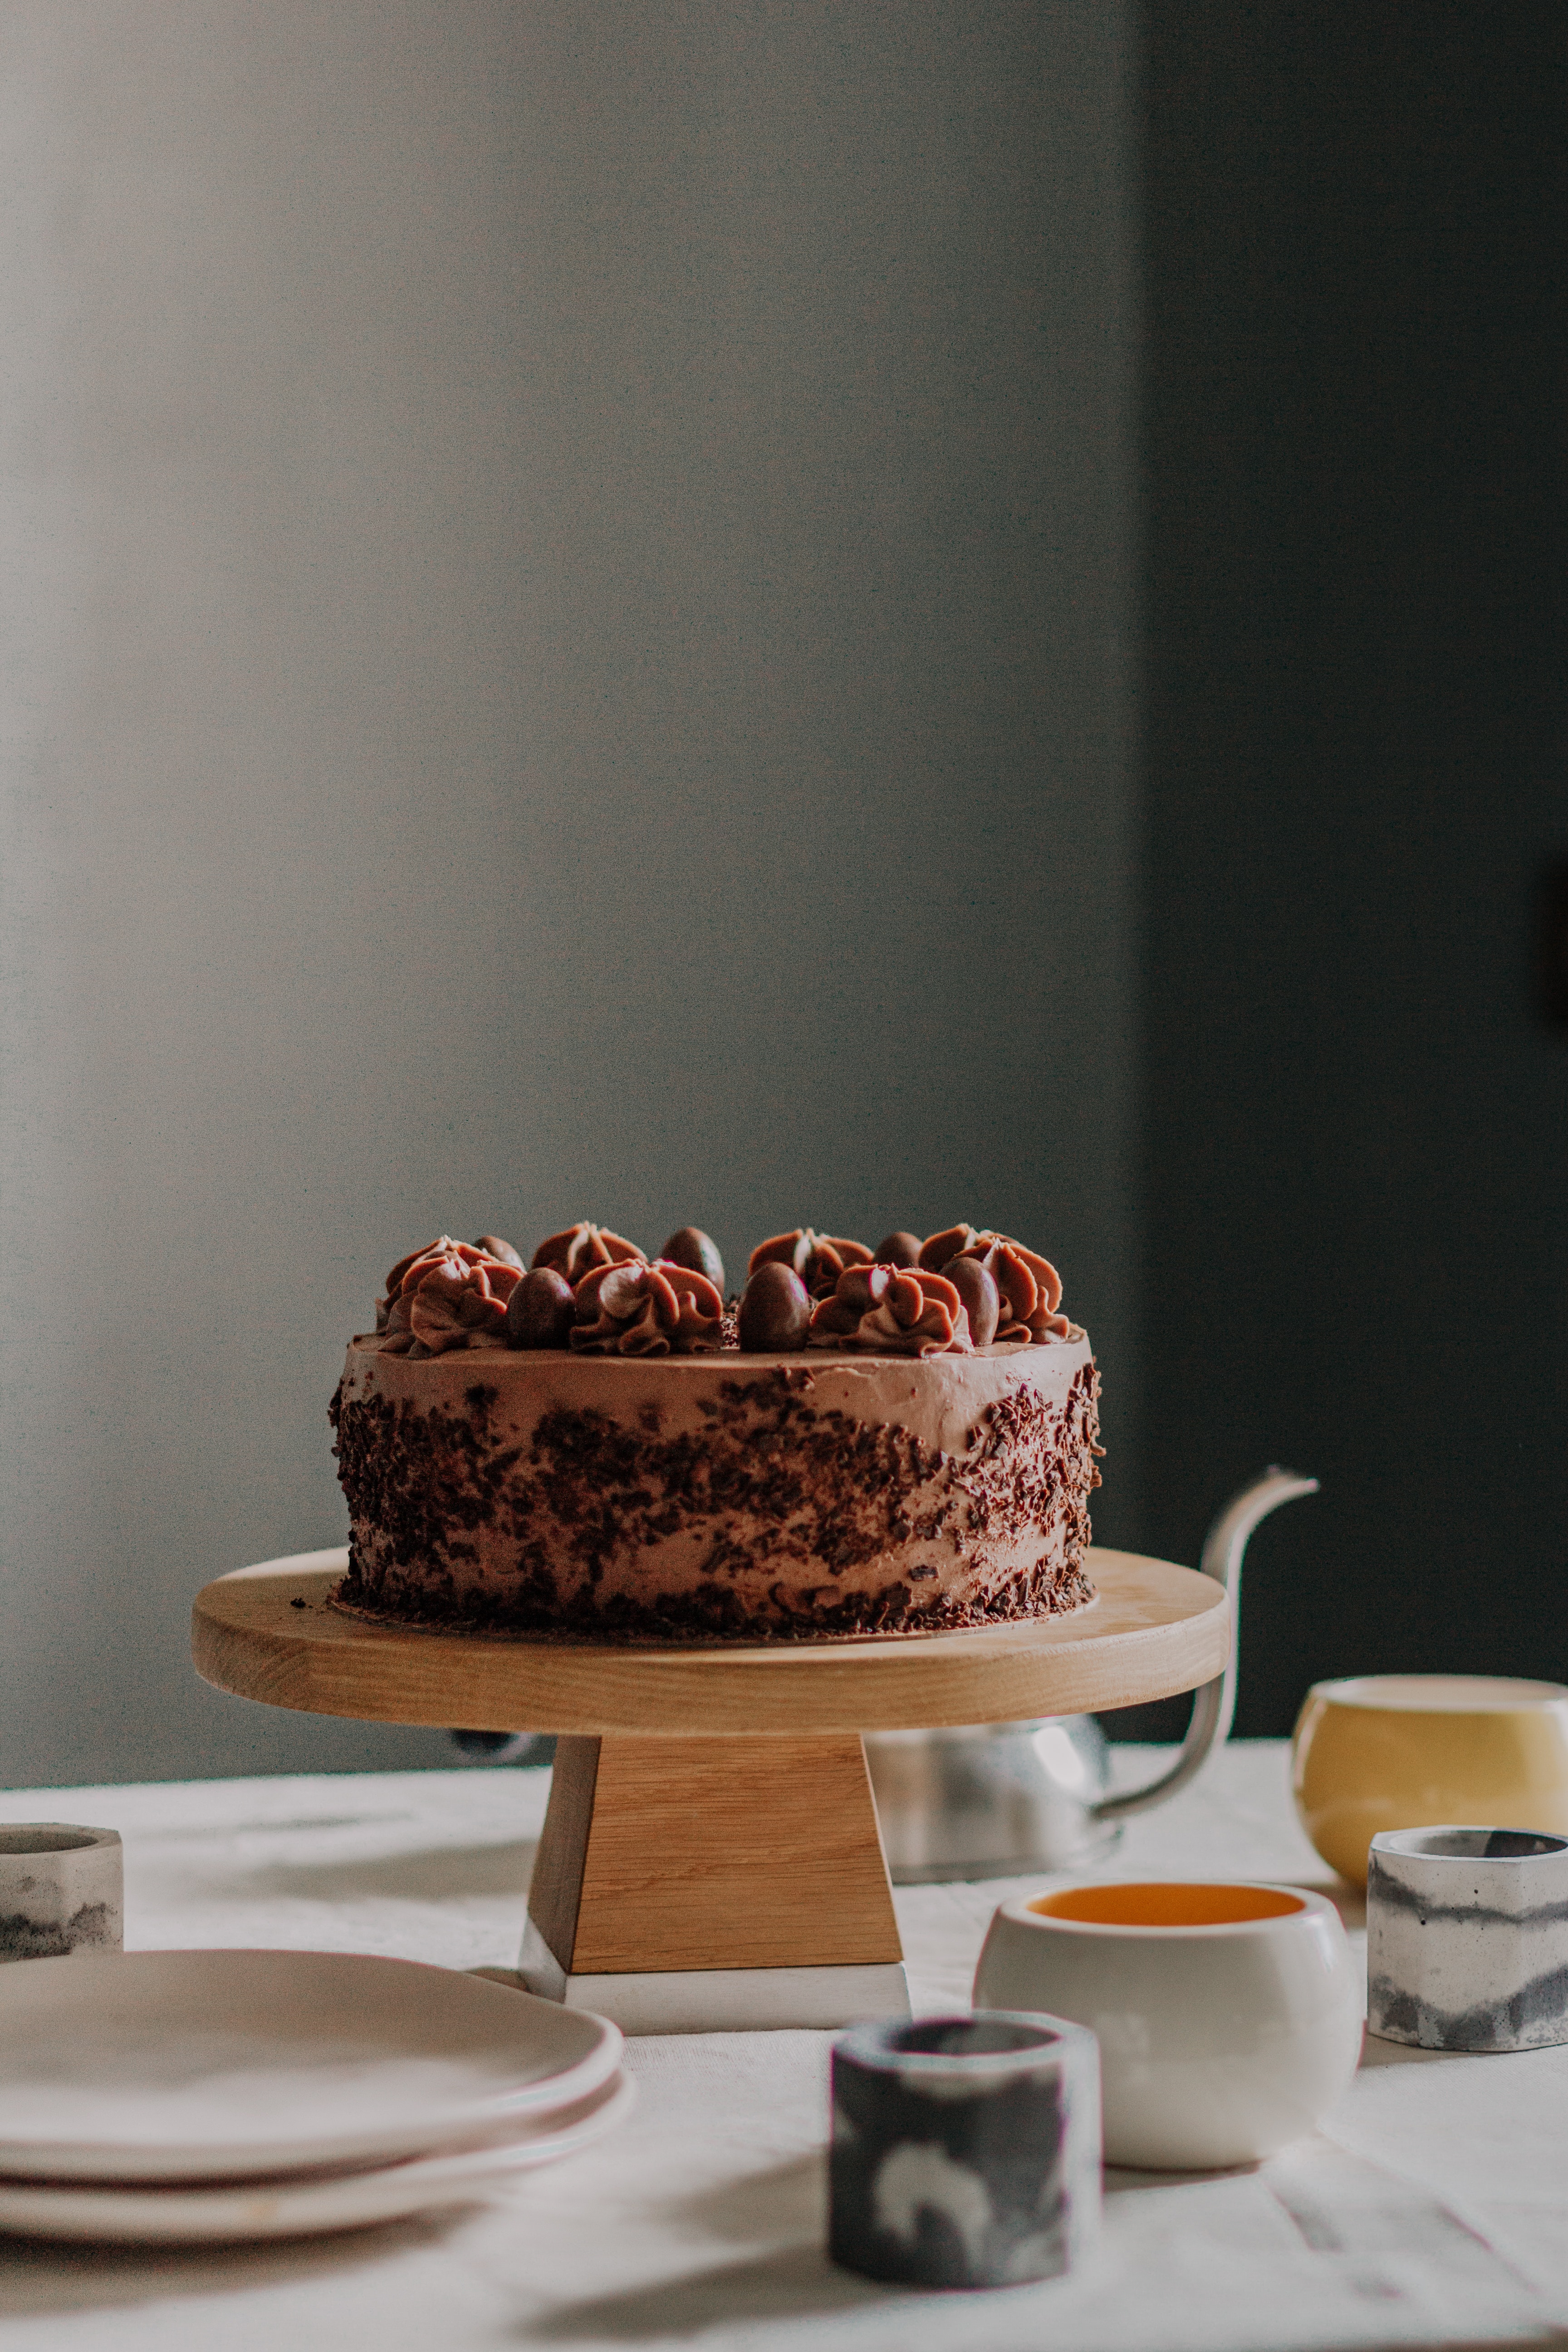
711, 1855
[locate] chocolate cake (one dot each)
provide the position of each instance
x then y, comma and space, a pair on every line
898, 1441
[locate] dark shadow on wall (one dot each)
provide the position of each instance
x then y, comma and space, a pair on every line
1354, 231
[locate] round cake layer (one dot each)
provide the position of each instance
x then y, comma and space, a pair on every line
723, 1494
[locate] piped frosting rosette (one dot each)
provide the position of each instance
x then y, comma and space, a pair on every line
632, 1309
448, 1295
818, 1259
589, 1289
891, 1310
1028, 1286
580, 1249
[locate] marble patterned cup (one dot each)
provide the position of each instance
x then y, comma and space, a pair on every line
1228, 2016
965, 2150
61, 1890
1466, 1938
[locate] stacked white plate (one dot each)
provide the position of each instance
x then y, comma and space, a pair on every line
161, 2097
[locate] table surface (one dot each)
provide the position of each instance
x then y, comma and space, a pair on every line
1433, 2210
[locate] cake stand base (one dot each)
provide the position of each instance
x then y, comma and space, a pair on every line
714, 2000
686, 1883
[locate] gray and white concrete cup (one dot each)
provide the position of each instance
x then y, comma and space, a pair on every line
62, 1890
1466, 1938
965, 2150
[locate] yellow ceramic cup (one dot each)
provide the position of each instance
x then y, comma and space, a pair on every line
1402, 1751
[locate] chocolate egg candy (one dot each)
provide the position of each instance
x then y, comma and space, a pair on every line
692, 1248
493, 1247
898, 1249
981, 1299
775, 1311
539, 1312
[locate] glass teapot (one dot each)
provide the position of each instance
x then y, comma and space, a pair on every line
993, 1799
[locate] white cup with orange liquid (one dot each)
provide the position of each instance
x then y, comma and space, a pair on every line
1228, 2017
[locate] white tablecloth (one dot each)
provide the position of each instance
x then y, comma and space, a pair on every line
1433, 2210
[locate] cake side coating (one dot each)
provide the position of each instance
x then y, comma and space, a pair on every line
725, 1495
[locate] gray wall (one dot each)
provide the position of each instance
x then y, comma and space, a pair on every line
564, 632
1357, 1125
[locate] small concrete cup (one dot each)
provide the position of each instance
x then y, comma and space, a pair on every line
1466, 1938
62, 1890
1228, 2017
965, 2150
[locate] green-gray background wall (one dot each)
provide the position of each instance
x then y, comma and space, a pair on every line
568, 651
748, 613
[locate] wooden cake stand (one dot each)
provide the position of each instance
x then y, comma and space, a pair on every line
711, 1855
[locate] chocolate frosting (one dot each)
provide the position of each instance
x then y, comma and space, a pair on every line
448, 1295
818, 1258
1029, 1286
631, 1308
453, 1294
891, 1310
715, 1497
581, 1247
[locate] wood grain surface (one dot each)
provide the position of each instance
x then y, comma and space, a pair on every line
555, 1889
712, 1853
268, 1633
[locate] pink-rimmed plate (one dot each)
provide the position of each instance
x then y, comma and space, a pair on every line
308, 2204
200, 2066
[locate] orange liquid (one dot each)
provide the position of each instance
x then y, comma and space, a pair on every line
1152, 1905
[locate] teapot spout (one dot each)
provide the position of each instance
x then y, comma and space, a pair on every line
1214, 1706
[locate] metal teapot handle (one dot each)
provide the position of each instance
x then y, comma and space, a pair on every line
1214, 1704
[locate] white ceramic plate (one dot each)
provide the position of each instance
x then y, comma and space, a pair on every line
304, 2205
207, 2065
